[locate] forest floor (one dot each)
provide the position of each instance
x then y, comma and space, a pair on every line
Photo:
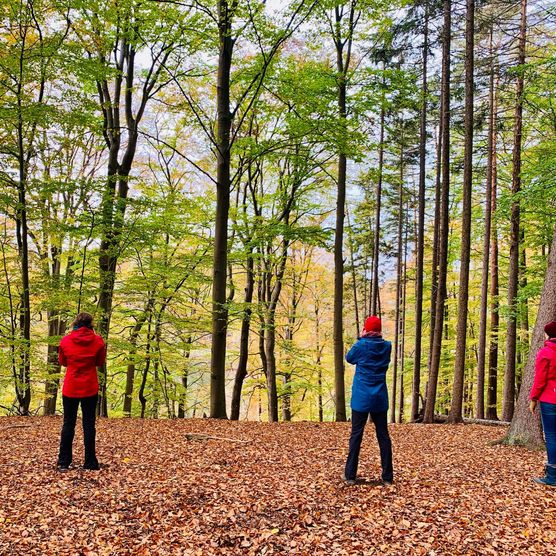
278, 493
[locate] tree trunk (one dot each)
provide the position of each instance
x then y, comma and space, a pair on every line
456, 415
241, 370
525, 429
481, 363
220, 259
513, 279
339, 369
130, 373
443, 234
376, 248
398, 287
420, 248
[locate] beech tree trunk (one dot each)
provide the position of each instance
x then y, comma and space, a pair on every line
220, 257
241, 370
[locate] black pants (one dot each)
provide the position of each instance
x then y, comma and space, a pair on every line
88, 408
358, 421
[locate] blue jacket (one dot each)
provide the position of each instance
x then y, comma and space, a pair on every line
371, 357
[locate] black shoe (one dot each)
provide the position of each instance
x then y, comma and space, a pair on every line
387, 483
62, 468
349, 482
92, 467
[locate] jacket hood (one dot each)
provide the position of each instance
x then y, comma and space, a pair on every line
376, 345
551, 344
82, 336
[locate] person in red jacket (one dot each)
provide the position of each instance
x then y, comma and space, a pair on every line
81, 352
544, 392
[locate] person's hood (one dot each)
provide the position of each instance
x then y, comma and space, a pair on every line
376, 345
550, 344
82, 336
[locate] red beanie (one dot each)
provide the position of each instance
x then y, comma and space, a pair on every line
373, 324
550, 329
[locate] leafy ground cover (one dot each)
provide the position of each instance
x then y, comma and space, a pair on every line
278, 492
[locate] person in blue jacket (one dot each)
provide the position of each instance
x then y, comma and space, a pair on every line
369, 395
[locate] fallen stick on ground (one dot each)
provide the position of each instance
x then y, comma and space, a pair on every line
198, 436
17, 427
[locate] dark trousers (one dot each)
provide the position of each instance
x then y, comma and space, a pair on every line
548, 416
358, 421
88, 408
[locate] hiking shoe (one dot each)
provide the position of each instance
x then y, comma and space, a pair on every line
387, 483
349, 482
62, 468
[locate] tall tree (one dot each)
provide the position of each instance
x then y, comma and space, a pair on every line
343, 36
456, 415
481, 356
513, 279
525, 429
420, 248
443, 229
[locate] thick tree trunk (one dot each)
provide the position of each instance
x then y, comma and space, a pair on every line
420, 248
525, 429
220, 259
443, 234
456, 414
513, 280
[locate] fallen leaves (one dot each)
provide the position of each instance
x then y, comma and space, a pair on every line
278, 493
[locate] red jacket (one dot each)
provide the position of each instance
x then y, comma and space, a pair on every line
81, 351
544, 386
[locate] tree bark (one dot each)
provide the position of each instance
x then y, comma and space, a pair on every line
508, 401
481, 363
419, 265
456, 415
376, 248
241, 370
220, 258
443, 235
525, 429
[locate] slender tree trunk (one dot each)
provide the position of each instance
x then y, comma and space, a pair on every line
23, 383
523, 343
513, 280
220, 260
419, 267
443, 235
456, 414
130, 374
182, 407
492, 390
376, 249
241, 370
525, 429
353, 278
56, 327
481, 362
398, 287
339, 369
